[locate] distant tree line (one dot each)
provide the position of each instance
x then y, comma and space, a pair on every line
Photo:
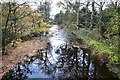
105, 20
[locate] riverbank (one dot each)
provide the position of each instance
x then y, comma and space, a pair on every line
64, 49
16, 55
106, 54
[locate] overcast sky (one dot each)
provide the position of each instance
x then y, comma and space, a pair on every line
55, 9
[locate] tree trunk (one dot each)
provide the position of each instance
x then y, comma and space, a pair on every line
78, 5
92, 15
101, 26
86, 22
4, 37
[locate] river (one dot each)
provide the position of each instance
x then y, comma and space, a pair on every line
62, 60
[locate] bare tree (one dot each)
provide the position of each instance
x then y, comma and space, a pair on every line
86, 21
92, 15
78, 6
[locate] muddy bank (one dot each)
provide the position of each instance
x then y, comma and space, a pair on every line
16, 55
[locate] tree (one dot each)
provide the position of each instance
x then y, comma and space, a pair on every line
59, 18
45, 8
87, 16
112, 29
18, 20
93, 14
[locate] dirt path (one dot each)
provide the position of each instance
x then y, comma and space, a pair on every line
17, 54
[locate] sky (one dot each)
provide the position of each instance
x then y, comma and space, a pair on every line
55, 9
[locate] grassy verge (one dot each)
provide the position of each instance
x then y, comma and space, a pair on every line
100, 48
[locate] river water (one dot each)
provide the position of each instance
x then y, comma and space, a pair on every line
62, 60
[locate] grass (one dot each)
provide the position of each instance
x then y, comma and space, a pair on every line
99, 47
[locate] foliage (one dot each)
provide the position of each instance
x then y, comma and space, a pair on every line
113, 24
59, 18
99, 47
105, 21
45, 8
39, 30
19, 20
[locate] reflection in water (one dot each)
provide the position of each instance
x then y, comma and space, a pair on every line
61, 60
71, 63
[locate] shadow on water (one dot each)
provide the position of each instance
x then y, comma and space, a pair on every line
61, 61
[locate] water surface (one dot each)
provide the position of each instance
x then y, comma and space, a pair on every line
62, 60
